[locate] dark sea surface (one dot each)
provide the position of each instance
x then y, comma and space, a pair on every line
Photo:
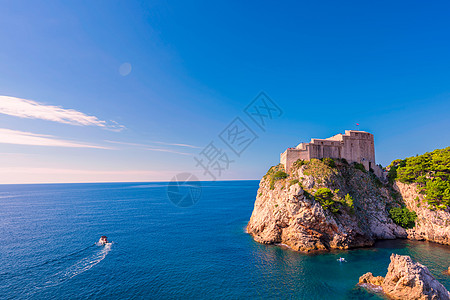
47, 236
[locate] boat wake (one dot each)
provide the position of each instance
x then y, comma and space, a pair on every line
79, 267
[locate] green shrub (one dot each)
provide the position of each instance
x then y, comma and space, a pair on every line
325, 197
280, 175
359, 167
441, 206
344, 161
272, 184
438, 193
274, 169
275, 173
317, 168
323, 194
293, 181
431, 171
392, 174
330, 162
307, 195
403, 217
349, 202
298, 163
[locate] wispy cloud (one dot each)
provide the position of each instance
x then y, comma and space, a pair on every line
167, 150
16, 137
153, 148
179, 145
30, 109
147, 145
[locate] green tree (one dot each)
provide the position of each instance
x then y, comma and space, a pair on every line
431, 171
349, 202
325, 197
403, 217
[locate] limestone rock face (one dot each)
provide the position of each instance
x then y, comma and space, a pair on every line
431, 225
285, 211
370, 279
406, 279
287, 216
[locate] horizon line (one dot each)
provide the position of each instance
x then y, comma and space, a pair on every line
96, 182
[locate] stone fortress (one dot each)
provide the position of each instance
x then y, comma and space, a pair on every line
354, 146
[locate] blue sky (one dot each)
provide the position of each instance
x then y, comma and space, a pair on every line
74, 111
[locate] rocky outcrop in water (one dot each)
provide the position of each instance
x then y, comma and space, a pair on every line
286, 211
431, 224
406, 279
288, 216
368, 278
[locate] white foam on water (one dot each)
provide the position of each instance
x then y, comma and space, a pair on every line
283, 245
79, 267
100, 242
371, 287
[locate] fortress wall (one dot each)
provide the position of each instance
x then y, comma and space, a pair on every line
301, 146
337, 137
378, 171
354, 146
292, 155
321, 148
322, 151
283, 158
332, 151
358, 147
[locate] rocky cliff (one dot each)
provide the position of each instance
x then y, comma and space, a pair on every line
431, 224
330, 204
322, 205
406, 279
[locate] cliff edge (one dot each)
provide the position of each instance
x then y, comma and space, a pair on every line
322, 205
331, 204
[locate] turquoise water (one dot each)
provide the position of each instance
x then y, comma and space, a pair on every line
47, 236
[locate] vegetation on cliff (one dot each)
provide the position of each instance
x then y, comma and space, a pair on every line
331, 177
275, 173
329, 201
332, 204
320, 205
431, 171
403, 217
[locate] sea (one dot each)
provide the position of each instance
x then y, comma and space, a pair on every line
161, 250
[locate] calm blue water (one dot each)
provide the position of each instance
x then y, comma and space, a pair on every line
47, 236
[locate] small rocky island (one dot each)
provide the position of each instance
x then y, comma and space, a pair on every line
405, 279
330, 194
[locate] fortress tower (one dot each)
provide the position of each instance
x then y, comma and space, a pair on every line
354, 146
